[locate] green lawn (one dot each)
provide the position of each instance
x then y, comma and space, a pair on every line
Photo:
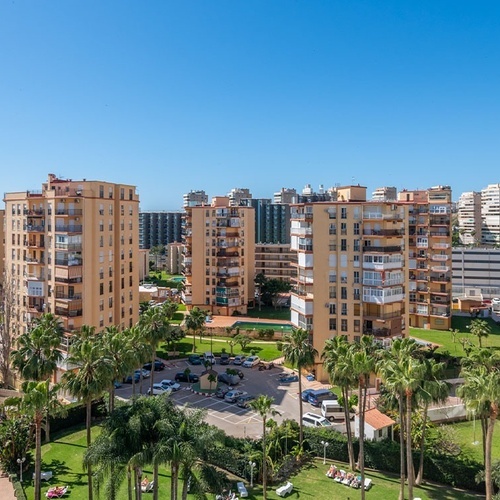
267, 312
266, 350
64, 458
452, 345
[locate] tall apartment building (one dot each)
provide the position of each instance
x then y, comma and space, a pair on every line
275, 261
469, 218
272, 221
429, 256
194, 198
159, 228
490, 214
219, 260
174, 258
477, 267
239, 196
351, 277
285, 195
71, 250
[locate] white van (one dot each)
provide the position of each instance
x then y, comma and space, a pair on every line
332, 410
208, 356
313, 420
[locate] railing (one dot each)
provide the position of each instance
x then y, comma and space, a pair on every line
34, 211
382, 249
34, 228
383, 232
68, 313
68, 262
65, 296
67, 228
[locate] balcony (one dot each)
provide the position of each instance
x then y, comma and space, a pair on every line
383, 232
301, 231
441, 278
34, 228
382, 249
440, 269
68, 228
440, 246
227, 254
70, 247
440, 234
68, 262
34, 212
69, 313
377, 332
68, 211
66, 296
440, 258
32, 261
301, 216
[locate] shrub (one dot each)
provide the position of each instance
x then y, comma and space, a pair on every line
279, 346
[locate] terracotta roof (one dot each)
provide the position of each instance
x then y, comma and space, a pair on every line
377, 420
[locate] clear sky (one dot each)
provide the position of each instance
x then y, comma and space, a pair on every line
214, 94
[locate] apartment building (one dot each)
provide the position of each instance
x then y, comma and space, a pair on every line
469, 217
285, 195
429, 256
194, 198
159, 228
275, 261
351, 275
219, 259
239, 196
272, 220
71, 249
174, 258
386, 193
490, 215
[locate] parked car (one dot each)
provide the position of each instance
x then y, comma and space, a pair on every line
158, 389
224, 358
182, 377
304, 395
228, 379
117, 384
312, 420
159, 365
145, 373
287, 378
318, 396
194, 359
251, 361
166, 383
233, 395
135, 376
238, 360
222, 391
209, 358
244, 401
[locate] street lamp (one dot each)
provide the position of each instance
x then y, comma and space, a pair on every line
21, 461
325, 445
252, 465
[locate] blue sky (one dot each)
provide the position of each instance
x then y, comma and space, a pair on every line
199, 94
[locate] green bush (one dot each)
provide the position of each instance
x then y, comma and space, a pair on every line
18, 490
76, 415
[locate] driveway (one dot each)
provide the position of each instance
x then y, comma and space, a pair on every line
235, 421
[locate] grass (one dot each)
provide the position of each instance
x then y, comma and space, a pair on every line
465, 435
266, 350
452, 345
64, 455
254, 325
269, 312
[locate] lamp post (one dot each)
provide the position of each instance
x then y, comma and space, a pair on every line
21, 461
252, 465
325, 445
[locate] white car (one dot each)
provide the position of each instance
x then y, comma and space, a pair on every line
158, 389
166, 384
251, 361
145, 373
238, 360
232, 396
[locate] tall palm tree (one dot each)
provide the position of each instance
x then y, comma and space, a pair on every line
363, 361
155, 328
89, 380
480, 329
481, 389
194, 322
336, 360
39, 400
263, 406
433, 389
170, 308
300, 353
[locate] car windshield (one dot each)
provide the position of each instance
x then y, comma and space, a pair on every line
324, 423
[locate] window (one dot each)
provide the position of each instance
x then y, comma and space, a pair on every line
357, 325
101, 305
344, 309
332, 324
110, 287
101, 273
343, 213
356, 277
101, 288
333, 308
101, 191
343, 325
356, 246
343, 293
343, 245
356, 228
110, 302
343, 228
332, 292
110, 271
332, 229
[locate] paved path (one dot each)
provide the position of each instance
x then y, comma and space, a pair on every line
6, 489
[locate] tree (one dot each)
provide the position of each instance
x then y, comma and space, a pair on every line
336, 361
300, 353
263, 406
480, 329
481, 392
89, 380
7, 326
155, 328
39, 400
169, 308
269, 289
194, 322
243, 340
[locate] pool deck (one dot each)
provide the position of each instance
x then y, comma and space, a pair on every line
225, 321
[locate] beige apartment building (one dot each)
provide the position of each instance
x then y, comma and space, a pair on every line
274, 260
429, 257
362, 265
72, 249
219, 258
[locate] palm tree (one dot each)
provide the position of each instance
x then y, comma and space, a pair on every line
432, 390
481, 389
336, 360
481, 329
155, 327
300, 353
169, 308
89, 380
195, 321
263, 406
39, 400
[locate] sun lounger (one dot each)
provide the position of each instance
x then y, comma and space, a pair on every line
284, 490
368, 483
241, 489
340, 478
57, 492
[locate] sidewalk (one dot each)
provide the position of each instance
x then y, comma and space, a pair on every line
6, 489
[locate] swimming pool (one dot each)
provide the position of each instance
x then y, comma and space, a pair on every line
261, 325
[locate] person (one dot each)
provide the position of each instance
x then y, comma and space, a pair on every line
331, 471
145, 481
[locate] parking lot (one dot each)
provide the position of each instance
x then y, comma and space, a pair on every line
236, 421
